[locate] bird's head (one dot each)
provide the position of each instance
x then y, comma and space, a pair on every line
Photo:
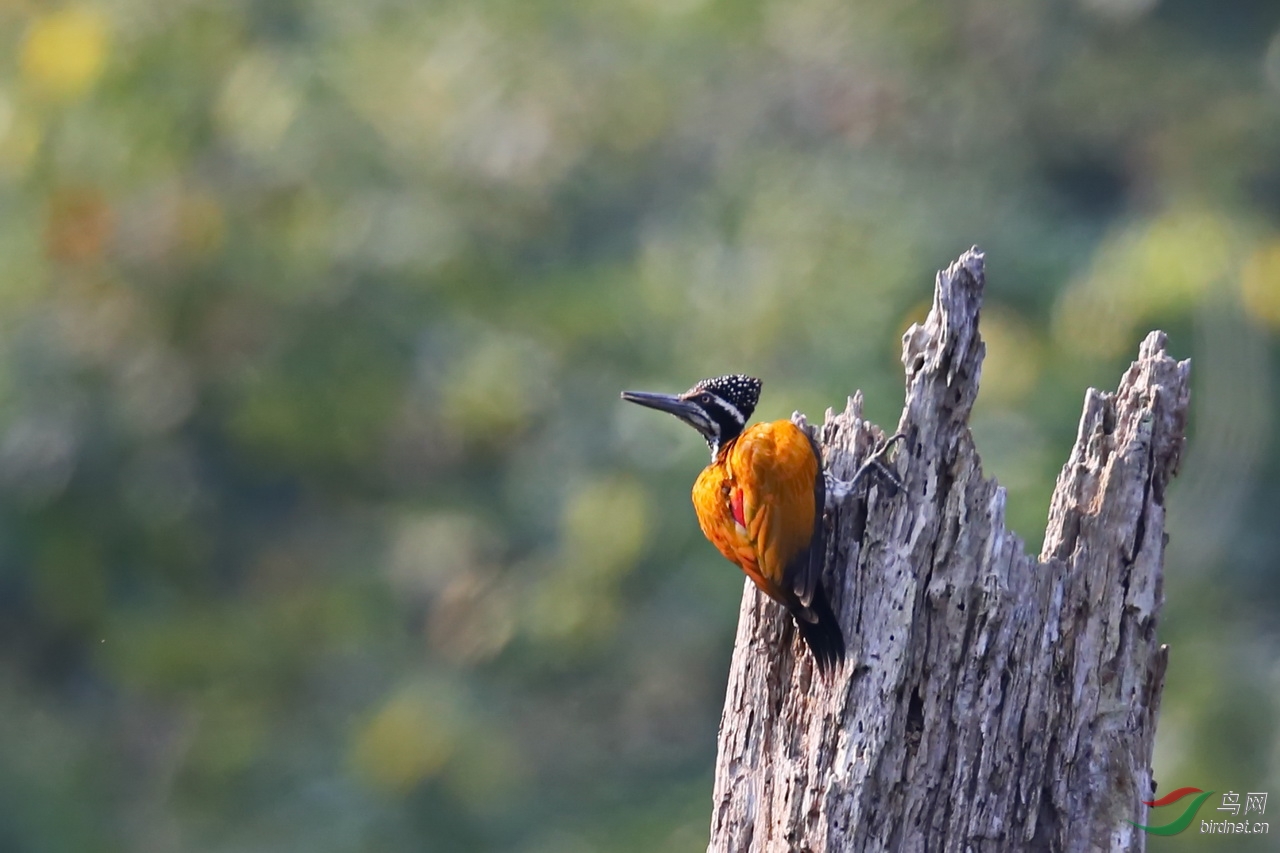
717, 408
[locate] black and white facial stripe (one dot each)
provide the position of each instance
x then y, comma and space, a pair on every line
727, 402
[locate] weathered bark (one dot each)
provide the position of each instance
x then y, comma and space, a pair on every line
992, 701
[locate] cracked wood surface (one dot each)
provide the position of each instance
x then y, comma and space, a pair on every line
991, 701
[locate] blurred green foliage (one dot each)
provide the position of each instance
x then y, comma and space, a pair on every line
321, 525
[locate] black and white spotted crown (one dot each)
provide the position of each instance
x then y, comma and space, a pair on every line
740, 391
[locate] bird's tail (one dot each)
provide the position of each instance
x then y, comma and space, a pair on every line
821, 632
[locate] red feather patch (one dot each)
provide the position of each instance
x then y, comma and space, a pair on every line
735, 503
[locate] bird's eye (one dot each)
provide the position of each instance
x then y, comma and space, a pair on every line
705, 398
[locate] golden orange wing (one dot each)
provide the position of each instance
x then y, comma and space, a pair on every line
776, 468
757, 505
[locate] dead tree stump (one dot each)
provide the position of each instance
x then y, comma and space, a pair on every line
992, 701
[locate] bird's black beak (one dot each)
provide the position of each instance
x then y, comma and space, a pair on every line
672, 404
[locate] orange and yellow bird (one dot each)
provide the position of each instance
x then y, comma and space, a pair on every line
761, 500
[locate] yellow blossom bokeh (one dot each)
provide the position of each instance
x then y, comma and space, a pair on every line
64, 52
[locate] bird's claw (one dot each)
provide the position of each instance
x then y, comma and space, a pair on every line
877, 463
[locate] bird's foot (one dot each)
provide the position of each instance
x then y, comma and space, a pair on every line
877, 463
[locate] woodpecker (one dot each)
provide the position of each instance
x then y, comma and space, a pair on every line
760, 501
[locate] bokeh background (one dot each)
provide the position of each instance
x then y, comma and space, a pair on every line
322, 527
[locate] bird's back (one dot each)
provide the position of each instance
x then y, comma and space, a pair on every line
757, 504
